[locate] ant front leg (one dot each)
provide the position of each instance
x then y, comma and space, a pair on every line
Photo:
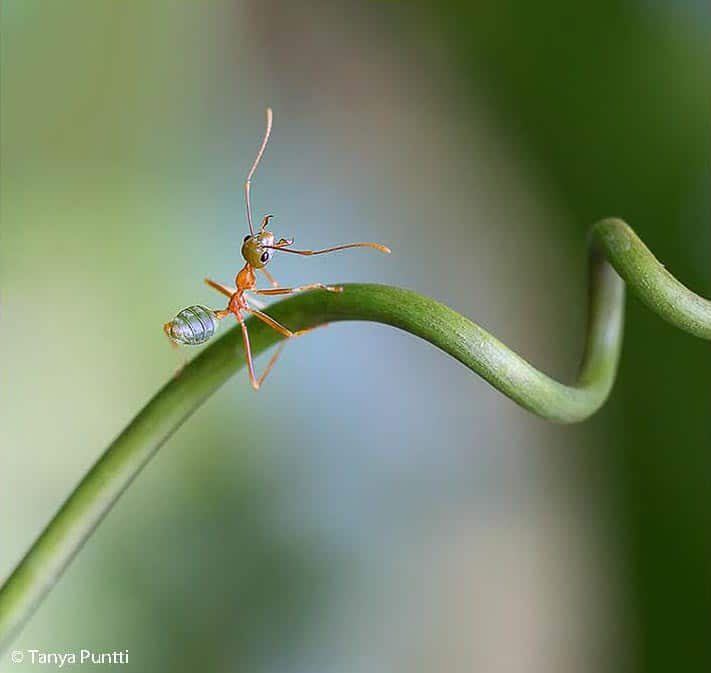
292, 290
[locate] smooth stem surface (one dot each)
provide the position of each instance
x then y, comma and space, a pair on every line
455, 334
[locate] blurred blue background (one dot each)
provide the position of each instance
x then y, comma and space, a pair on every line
375, 507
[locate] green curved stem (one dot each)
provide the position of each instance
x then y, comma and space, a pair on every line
613, 244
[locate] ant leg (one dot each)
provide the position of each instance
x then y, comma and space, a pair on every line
271, 362
227, 291
278, 326
254, 381
224, 289
284, 243
291, 290
248, 354
270, 278
255, 302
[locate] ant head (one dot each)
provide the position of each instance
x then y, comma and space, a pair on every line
258, 249
253, 250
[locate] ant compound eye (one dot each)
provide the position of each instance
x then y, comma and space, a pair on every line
247, 237
265, 256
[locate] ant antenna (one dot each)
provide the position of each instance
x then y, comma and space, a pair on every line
257, 159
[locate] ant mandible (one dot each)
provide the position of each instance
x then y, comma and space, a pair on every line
197, 324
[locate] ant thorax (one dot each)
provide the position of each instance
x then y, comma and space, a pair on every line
246, 279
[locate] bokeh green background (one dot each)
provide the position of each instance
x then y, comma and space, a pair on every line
374, 507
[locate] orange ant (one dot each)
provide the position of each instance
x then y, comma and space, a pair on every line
197, 324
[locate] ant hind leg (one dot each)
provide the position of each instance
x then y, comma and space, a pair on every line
278, 326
